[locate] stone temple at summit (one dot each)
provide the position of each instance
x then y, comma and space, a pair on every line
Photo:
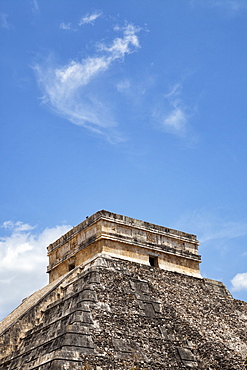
125, 294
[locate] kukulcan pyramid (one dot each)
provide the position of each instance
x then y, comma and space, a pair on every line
125, 294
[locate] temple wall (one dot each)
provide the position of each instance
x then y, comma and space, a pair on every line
125, 238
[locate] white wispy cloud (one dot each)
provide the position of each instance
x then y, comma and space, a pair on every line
210, 226
4, 21
90, 18
175, 122
168, 112
232, 6
16, 226
219, 235
122, 45
124, 85
171, 113
23, 261
239, 282
174, 92
65, 26
67, 89
223, 230
35, 6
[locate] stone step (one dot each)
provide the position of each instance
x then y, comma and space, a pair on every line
27, 303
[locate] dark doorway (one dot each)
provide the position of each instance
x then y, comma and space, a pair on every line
71, 266
153, 261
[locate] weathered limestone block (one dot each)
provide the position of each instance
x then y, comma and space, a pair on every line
126, 238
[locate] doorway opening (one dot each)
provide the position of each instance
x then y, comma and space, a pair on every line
153, 261
71, 266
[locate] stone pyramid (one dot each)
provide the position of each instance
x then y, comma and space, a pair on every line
125, 294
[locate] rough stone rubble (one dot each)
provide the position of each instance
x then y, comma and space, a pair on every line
114, 314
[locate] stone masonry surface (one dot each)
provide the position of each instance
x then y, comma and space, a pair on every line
115, 314
126, 238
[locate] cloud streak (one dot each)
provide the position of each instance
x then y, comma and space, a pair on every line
23, 261
211, 227
65, 26
90, 18
172, 114
35, 6
4, 21
67, 89
217, 234
230, 6
175, 122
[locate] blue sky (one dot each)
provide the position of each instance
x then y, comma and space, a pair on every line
136, 107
